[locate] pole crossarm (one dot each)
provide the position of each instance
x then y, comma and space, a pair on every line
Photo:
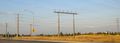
65, 12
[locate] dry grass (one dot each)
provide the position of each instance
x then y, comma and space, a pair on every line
81, 38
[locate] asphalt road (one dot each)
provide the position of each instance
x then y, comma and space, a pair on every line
21, 41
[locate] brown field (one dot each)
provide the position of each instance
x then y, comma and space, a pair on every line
81, 38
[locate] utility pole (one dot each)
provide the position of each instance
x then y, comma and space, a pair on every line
74, 25
117, 21
30, 29
58, 24
6, 29
17, 25
61, 12
32, 24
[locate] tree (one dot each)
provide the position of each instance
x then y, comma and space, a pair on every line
78, 33
61, 33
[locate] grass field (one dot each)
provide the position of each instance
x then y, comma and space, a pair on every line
81, 38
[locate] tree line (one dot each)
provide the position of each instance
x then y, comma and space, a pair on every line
67, 34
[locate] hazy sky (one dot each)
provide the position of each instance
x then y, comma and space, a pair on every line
93, 15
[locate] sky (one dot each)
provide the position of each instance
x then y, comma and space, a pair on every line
93, 15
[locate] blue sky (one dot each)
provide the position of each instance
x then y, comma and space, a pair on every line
93, 15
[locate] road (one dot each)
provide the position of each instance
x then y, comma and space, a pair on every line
22, 41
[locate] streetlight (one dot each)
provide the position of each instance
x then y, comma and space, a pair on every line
61, 12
